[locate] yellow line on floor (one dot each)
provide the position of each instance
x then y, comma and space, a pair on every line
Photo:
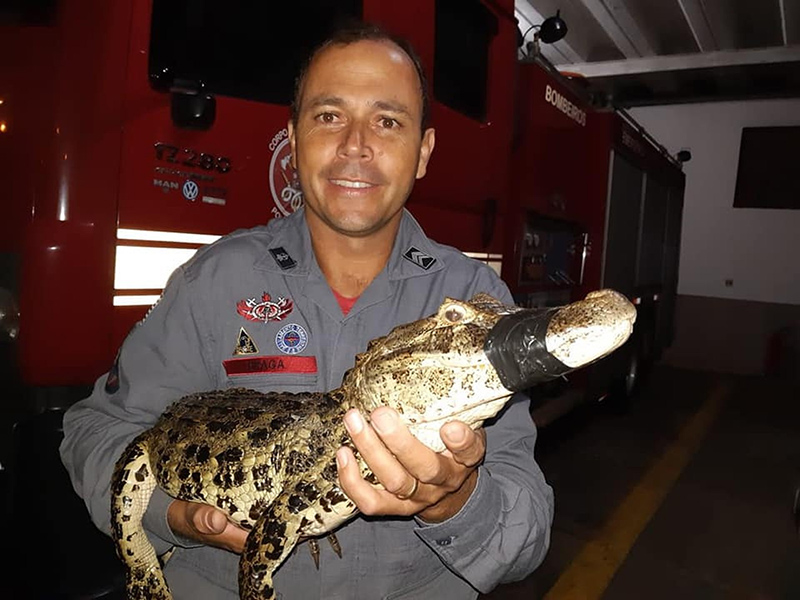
589, 574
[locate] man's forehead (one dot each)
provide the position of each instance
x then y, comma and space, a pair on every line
376, 58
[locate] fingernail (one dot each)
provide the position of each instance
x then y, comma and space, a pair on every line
384, 421
341, 458
354, 422
455, 434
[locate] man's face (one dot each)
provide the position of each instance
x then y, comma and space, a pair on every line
357, 144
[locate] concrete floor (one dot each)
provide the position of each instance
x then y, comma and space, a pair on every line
723, 529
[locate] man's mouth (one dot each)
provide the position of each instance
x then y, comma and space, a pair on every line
352, 184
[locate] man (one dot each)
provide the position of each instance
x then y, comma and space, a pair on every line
337, 274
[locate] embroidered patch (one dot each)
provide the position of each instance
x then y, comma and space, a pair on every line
282, 257
245, 344
264, 310
291, 339
257, 365
419, 258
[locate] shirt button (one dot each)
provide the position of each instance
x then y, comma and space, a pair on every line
444, 541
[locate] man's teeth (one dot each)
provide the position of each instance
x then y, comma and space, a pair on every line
352, 184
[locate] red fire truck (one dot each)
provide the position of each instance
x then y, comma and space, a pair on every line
134, 132
137, 131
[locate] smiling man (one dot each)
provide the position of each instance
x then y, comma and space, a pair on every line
343, 271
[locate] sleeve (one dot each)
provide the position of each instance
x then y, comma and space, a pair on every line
160, 361
502, 533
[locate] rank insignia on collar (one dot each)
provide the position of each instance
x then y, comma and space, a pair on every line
419, 258
245, 344
282, 257
265, 309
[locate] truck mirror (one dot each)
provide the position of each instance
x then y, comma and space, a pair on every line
191, 110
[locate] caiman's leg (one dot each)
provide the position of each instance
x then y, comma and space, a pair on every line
313, 547
269, 543
335, 544
132, 485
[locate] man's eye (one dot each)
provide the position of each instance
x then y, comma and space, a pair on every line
389, 123
326, 117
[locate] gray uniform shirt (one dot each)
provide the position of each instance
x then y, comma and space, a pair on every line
254, 310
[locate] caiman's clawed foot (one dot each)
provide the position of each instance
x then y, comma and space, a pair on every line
313, 547
335, 544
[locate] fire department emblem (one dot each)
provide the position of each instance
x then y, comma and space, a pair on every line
283, 181
291, 339
266, 309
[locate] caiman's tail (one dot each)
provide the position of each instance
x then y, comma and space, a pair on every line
131, 487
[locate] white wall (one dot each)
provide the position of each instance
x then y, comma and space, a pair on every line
759, 249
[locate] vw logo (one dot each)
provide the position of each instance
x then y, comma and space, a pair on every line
190, 190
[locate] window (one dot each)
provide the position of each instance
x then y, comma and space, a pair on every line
249, 49
464, 32
767, 174
28, 12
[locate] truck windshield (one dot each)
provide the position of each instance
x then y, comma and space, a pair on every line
249, 49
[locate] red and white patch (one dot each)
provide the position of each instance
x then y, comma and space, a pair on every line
259, 365
266, 309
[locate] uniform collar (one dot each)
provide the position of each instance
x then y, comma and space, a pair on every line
413, 253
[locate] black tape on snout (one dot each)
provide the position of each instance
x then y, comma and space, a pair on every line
517, 349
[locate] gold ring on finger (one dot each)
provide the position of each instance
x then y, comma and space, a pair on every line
410, 494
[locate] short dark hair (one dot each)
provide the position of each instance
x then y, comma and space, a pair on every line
358, 32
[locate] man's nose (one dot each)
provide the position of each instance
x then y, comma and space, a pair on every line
356, 142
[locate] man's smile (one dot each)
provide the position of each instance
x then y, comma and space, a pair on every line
352, 184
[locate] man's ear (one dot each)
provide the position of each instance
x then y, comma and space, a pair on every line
292, 143
425, 151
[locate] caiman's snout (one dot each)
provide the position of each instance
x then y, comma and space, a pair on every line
531, 346
517, 348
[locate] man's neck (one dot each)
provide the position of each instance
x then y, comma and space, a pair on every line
351, 263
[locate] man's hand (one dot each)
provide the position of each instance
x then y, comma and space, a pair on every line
205, 524
417, 480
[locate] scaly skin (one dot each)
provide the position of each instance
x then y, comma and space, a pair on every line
268, 460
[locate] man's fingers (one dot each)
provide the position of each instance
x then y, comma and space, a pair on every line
370, 500
467, 447
207, 519
385, 454
420, 461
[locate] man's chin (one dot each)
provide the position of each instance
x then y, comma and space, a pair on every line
360, 227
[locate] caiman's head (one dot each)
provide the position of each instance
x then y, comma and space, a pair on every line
465, 361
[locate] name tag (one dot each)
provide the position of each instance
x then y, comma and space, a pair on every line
257, 365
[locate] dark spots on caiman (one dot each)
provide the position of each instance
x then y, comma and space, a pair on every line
230, 455
216, 427
261, 478
260, 437
143, 473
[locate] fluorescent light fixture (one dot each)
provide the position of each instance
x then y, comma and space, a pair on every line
143, 268
166, 236
141, 300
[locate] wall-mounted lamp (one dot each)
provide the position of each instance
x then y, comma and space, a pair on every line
549, 31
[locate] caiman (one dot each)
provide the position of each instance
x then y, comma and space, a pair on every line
268, 460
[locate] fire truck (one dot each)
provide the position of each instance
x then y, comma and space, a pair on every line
134, 132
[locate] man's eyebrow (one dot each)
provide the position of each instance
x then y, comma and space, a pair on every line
395, 107
383, 105
326, 101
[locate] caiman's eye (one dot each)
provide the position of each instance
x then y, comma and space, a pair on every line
454, 313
